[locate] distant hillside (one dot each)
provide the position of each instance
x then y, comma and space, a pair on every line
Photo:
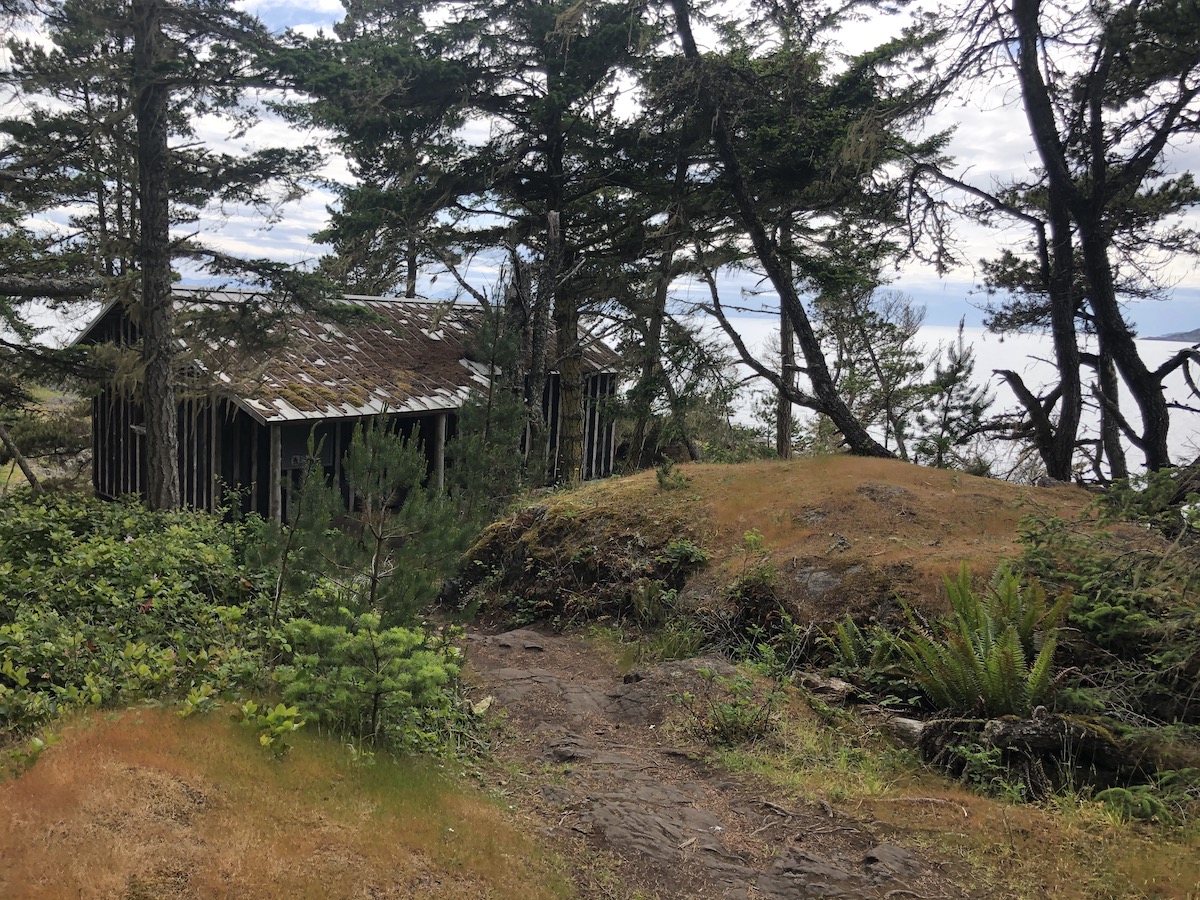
1189, 337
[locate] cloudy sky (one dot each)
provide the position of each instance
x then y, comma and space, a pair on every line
991, 142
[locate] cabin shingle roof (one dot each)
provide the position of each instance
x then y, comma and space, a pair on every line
414, 358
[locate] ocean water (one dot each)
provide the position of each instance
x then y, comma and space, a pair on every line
1032, 357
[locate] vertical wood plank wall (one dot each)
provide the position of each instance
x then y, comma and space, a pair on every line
223, 449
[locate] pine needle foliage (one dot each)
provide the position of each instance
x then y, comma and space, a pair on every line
993, 655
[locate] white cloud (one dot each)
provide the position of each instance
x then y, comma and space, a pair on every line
332, 8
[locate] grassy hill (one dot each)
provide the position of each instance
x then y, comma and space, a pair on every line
111, 615
142, 804
842, 535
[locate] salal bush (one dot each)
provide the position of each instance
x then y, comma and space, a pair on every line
101, 602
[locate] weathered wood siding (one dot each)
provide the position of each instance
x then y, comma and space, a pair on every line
599, 426
230, 459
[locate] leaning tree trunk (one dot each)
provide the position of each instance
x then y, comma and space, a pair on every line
1120, 345
1084, 208
826, 398
158, 351
1059, 259
652, 375
1110, 413
14, 451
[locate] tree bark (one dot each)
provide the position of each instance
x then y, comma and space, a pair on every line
652, 374
412, 267
1110, 422
565, 298
1118, 341
22, 463
570, 365
1058, 262
535, 327
1082, 200
158, 339
787, 363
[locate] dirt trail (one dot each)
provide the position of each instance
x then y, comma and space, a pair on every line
604, 772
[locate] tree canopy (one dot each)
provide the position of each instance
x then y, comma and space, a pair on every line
103, 148
601, 158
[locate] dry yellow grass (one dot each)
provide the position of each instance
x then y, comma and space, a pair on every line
1068, 849
889, 511
1030, 852
146, 805
885, 528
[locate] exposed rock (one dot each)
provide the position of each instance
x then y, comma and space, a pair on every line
624, 785
888, 860
881, 493
521, 639
905, 730
801, 873
825, 687
816, 583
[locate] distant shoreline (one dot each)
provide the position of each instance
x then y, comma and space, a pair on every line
1184, 337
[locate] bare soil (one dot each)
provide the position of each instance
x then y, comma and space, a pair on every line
601, 763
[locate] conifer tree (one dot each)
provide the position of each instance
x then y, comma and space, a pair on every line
105, 130
486, 468
542, 74
955, 409
399, 534
802, 153
1109, 92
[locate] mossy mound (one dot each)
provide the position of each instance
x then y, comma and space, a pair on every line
823, 537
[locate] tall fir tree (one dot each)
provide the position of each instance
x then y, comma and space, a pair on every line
543, 75
104, 147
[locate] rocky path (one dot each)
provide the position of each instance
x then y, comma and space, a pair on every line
601, 770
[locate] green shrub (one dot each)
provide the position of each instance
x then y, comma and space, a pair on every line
679, 638
375, 684
871, 659
752, 590
1135, 607
273, 724
108, 602
682, 557
730, 710
993, 655
668, 478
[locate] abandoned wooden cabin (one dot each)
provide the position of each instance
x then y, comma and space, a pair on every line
244, 436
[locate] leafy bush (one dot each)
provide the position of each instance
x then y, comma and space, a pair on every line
273, 725
1135, 604
730, 710
106, 602
683, 557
